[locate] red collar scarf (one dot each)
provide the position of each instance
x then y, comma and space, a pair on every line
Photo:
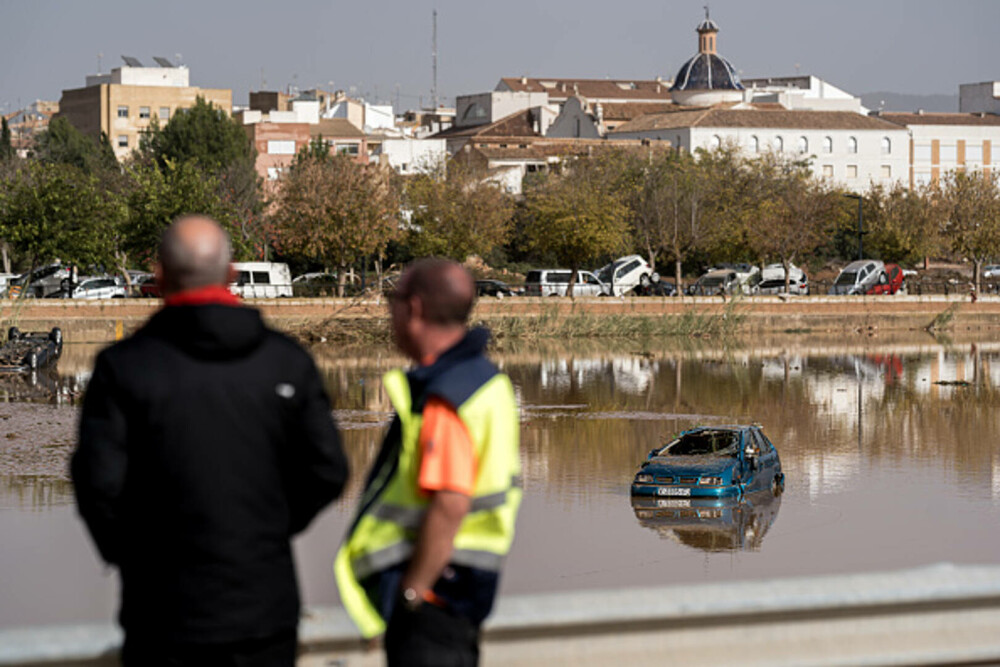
217, 295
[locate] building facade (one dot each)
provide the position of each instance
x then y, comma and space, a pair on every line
941, 142
126, 102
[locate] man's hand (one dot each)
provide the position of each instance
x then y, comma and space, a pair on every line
435, 540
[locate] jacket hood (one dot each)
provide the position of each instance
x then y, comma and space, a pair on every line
209, 331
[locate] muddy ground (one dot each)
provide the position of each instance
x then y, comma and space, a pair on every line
36, 440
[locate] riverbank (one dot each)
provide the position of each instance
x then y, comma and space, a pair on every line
365, 321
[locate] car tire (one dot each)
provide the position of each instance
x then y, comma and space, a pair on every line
13, 334
777, 486
644, 280
56, 336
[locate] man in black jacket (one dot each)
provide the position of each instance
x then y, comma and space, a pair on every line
206, 443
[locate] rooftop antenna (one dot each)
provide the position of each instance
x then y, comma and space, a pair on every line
100, 56
434, 58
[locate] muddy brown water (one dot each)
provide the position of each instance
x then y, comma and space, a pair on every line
890, 448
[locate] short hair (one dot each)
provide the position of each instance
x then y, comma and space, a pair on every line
445, 289
190, 261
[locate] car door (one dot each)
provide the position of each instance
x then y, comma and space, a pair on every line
768, 466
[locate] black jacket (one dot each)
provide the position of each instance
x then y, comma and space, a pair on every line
206, 442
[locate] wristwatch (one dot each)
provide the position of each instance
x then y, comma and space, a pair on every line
412, 599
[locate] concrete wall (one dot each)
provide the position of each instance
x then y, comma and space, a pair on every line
574, 121
979, 97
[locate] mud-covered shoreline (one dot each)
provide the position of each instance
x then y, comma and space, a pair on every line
36, 440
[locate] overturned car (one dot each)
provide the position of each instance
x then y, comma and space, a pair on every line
723, 462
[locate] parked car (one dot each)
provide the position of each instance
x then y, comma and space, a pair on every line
772, 280
316, 283
148, 288
625, 274
891, 281
555, 282
857, 277
5, 279
41, 282
720, 281
711, 462
991, 271
496, 288
656, 287
261, 280
98, 287
709, 524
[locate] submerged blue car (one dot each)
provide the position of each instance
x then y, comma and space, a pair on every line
723, 462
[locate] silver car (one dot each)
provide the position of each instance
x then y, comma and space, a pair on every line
857, 277
555, 282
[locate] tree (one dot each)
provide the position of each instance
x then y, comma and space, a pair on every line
207, 136
61, 143
57, 211
576, 215
902, 223
792, 213
6, 145
457, 215
971, 205
333, 210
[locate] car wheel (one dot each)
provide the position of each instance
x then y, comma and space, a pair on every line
56, 336
499, 295
777, 486
644, 280
13, 333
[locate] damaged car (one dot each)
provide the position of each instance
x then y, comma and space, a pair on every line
711, 462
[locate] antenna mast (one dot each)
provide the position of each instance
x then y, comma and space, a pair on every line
434, 59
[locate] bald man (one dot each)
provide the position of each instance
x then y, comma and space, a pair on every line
422, 561
206, 442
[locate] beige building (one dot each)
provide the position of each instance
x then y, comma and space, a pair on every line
124, 103
943, 142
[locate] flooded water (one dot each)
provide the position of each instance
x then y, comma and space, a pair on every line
890, 450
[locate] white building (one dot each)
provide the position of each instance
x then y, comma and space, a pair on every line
850, 149
485, 108
408, 155
804, 92
943, 142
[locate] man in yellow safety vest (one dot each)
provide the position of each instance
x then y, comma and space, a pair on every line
422, 559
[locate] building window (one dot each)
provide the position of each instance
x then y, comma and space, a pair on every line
922, 153
144, 112
827, 171
827, 144
886, 145
973, 154
886, 171
779, 144
350, 149
852, 171
164, 113
122, 111
803, 145
122, 141
281, 147
755, 144
852, 145
948, 154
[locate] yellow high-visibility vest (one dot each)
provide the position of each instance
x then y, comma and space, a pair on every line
384, 535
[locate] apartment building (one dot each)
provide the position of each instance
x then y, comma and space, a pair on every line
124, 103
942, 142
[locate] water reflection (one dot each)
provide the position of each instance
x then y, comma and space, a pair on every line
710, 525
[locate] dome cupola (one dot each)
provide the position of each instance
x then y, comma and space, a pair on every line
707, 78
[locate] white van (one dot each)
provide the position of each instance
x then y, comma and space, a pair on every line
555, 282
265, 280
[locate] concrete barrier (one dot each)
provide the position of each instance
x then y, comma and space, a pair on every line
937, 615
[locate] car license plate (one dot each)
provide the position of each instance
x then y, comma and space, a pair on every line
673, 502
672, 491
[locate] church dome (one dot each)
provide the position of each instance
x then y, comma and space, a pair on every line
707, 78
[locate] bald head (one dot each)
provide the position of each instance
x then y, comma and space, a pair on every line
194, 252
445, 289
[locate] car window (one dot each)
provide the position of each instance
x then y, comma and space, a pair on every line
261, 278
243, 278
762, 443
534, 277
704, 443
559, 276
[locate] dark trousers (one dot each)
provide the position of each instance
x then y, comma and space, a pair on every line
430, 636
276, 651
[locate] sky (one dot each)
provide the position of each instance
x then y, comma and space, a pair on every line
374, 49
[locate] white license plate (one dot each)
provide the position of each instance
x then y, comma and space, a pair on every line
672, 491
673, 502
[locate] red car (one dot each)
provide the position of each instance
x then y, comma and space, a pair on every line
149, 288
889, 282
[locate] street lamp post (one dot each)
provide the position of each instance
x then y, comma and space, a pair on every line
861, 231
